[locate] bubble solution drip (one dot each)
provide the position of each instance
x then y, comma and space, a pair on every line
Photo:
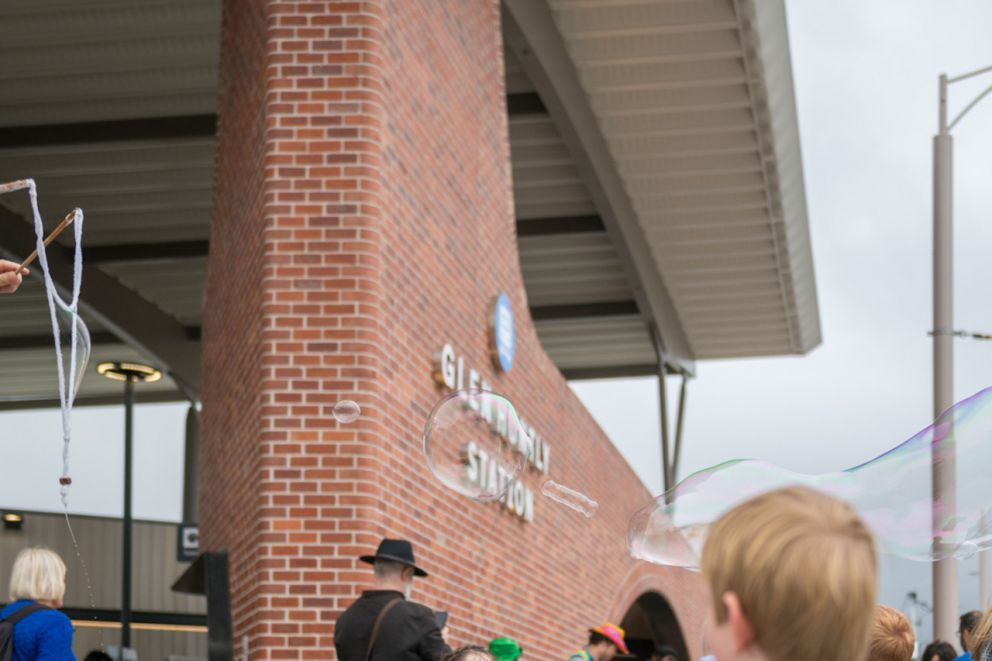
569, 498
347, 411
475, 444
86, 571
890, 492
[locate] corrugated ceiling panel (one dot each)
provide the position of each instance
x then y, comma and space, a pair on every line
607, 342
31, 373
570, 269
176, 286
133, 192
67, 61
669, 83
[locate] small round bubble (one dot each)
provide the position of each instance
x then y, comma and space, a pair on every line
347, 411
891, 493
475, 444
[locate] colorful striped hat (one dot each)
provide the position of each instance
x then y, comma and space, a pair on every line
614, 633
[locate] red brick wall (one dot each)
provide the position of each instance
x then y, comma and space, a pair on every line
233, 358
388, 229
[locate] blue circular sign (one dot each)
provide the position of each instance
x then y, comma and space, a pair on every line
502, 338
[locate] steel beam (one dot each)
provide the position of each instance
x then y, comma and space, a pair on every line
611, 372
133, 319
525, 103
114, 130
532, 35
585, 310
25, 403
136, 252
559, 225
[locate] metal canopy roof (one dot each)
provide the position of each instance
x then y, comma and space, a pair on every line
657, 179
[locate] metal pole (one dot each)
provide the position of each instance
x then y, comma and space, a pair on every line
679, 424
666, 471
126, 548
983, 569
190, 465
945, 588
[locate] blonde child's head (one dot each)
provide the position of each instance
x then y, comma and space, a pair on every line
892, 637
793, 575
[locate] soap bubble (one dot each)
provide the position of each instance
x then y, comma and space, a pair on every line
475, 444
75, 347
347, 411
570, 498
892, 493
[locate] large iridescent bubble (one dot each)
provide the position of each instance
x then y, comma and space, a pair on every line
891, 493
475, 444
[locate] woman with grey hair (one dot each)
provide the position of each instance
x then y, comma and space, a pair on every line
37, 586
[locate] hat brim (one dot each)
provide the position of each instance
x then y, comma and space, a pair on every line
370, 559
619, 643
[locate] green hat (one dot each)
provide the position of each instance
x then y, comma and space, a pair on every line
505, 649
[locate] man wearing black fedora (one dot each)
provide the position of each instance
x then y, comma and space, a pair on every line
382, 624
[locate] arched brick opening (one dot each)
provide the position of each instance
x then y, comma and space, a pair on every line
651, 621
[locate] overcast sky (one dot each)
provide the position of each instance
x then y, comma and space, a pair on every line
866, 83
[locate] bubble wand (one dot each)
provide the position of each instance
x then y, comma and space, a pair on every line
71, 216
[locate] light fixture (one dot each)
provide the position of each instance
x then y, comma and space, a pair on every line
121, 371
130, 374
13, 520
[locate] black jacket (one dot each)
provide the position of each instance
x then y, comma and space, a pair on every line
408, 632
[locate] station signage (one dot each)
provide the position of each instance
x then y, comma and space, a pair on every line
453, 372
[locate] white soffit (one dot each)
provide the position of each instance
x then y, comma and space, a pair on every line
696, 103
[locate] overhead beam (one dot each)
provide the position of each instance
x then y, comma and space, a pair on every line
562, 225
114, 130
120, 310
137, 252
525, 103
585, 311
25, 403
611, 372
44, 341
532, 35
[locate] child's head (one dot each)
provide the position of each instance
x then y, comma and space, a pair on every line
892, 637
792, 574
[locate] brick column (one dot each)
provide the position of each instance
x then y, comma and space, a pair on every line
364, 217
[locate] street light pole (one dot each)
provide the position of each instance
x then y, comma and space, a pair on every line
126, 532
130, 374
943, 460
945, 586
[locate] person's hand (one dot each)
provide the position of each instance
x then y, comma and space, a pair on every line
446, 634
10, 278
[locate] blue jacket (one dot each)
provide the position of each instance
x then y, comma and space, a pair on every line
45, 635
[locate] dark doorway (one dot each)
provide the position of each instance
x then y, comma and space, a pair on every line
650, 622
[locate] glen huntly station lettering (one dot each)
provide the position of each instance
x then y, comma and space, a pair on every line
450, 372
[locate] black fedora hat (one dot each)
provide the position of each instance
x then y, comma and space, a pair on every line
395, 550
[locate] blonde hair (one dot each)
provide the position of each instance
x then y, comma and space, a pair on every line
982, 635
803, 567
892, 637
38, 574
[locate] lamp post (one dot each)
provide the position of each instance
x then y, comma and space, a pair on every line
945, 582
129, 373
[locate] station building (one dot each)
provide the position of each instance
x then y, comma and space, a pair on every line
289, 204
